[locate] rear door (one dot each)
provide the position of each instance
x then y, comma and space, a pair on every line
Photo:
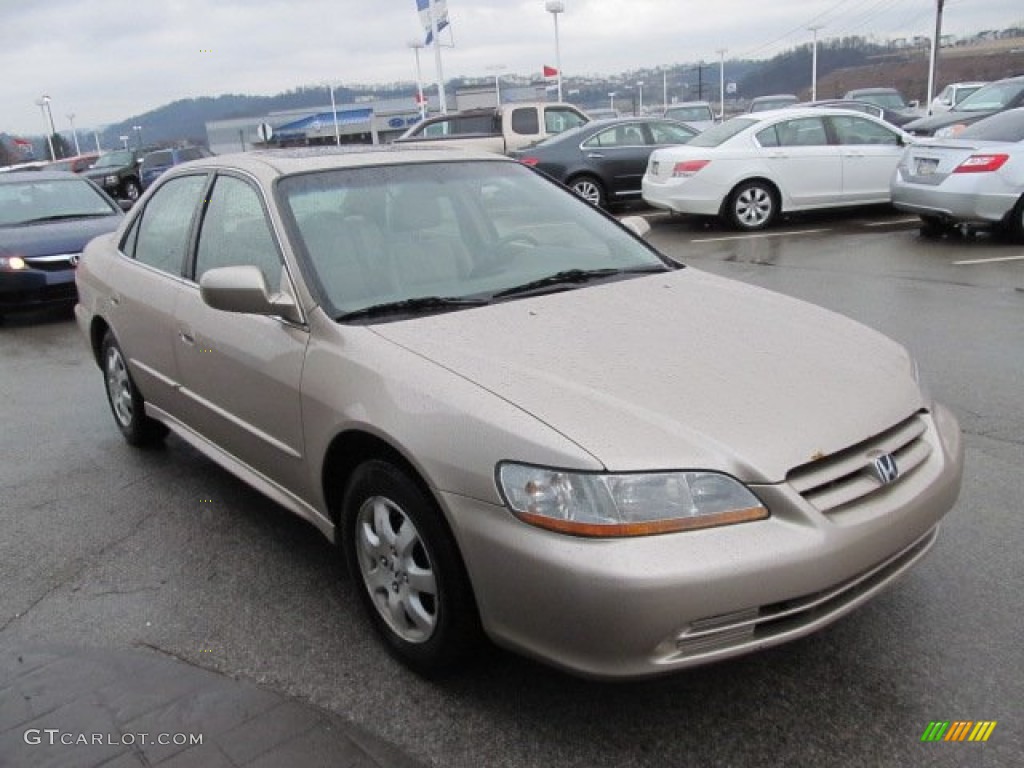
618, 155
806, 167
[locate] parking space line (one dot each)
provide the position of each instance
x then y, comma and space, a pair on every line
988, 261
760, 235
889, 222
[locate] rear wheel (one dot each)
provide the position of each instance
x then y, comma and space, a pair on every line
126, 403
752, 205
1017, 220
590, 189
131, 190
408, 570
932, 227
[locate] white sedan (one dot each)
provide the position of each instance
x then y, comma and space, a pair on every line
750, 169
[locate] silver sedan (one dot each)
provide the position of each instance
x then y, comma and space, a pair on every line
977, 177
515, 418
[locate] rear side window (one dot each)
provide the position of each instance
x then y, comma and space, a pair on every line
802, 132
857, 130
667, 133
161, 236
524, 120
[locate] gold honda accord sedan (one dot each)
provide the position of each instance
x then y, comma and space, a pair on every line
515, 418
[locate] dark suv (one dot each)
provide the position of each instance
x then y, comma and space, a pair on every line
159, 161
118, 173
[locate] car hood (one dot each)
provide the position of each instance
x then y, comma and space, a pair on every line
679, 370
99, 173
55, 237
943, 119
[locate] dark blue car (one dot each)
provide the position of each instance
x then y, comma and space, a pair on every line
159, 161
46, 219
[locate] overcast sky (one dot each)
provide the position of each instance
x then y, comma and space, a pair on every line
107, 60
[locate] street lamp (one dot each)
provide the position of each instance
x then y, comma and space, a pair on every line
421, 102
555, 7
814, 62
496, 69
74, 133
933, 59
334, 111
640, 91
44, 104
611, 101
138, 130
721, 82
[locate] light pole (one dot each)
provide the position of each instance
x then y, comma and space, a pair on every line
640, 92
44, 104
497, 69
334, 110
721, 83
138, 137
435, 36
664, 89
74, 133
555, 7
814, 61
933, 62
611, 101
421, 102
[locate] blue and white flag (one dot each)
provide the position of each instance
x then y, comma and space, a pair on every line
440, 16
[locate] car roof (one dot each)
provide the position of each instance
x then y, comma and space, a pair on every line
873, 90
688, 104
41, 175
280, 162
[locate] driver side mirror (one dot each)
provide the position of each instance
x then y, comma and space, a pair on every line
242, 289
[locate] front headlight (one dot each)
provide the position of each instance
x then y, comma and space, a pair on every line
634, 504
12, 262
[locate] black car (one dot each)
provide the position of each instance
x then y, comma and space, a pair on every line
46, 219
604, 161
118, 173
890, 115
987, 100
160, 160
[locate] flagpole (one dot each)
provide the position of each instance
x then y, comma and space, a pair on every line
420, 100
437, 57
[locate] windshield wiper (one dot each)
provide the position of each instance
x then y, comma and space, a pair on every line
411, 306
574, 277
66, 216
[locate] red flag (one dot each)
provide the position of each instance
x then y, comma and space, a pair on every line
550, 71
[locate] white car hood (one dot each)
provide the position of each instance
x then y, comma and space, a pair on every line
679, 370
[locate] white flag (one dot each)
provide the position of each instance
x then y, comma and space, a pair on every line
440, 16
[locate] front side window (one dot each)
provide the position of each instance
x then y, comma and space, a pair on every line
235, 232
802, 132
668, 133
619, 136
558, 119
440, 128
163, 231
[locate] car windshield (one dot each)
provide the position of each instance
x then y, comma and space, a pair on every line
157, 159
30, 202
719, 134
1003, 126
438, 233
114, 159
990, 98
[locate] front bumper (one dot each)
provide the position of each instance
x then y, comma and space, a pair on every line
958, 198
33, 288
639, 607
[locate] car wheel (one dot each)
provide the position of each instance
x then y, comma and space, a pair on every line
932, 227
125, 400
131, 190
408, 570
1017, 220
752, 205
590, 189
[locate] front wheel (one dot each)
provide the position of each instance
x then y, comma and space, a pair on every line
1017, 221
752, 205
590, 189
406, 564
131, 190
126, 403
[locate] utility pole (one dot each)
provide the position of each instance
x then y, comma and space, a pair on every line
721, 83
814, 62
933, 64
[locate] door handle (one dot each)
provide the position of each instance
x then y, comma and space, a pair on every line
595, 154
187, 337
115, 299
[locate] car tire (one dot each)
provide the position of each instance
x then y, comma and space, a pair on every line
126, 402
590, 189
1017, 221
131, 190
752, 205
407, 569
932, 227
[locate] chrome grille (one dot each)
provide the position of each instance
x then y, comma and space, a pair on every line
846, 477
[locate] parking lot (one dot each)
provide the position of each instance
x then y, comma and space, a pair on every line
106, 546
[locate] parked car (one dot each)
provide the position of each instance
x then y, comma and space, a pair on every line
604, 161
776, 101
953, 94
753, 167
987, 100
977, 177
891, 116
502, 130
156, 162
697, 114
118, 173
889, 98
602, 113
514, 416
76, 164
46, 218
